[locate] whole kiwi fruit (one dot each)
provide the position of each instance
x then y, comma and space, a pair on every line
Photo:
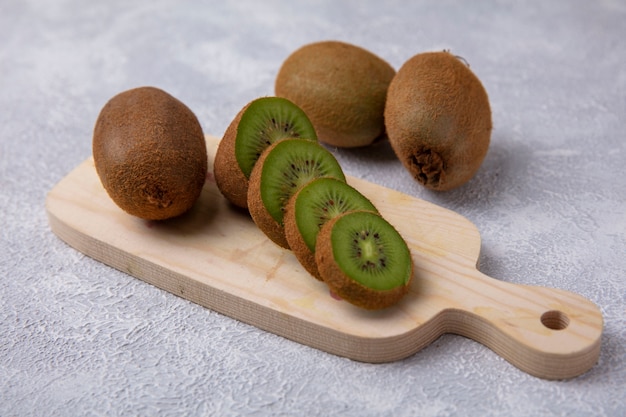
150, 154
341, 87
438, 119
258, 124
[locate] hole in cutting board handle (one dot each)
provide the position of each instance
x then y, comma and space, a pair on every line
555, 320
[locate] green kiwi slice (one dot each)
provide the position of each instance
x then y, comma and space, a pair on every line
267, 120
311, 207
283, 168
364, 260
259, 124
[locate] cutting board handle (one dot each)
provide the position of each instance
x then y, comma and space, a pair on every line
547, 332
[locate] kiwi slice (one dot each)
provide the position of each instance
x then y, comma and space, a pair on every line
259, 124
364, 260
311, 207
283, 168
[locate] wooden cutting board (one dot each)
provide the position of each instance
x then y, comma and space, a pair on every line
216, 256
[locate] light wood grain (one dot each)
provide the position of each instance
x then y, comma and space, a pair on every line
216, 257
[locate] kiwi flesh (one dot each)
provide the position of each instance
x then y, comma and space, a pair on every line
342, 88
364, 260
258, 124
438, 119
150, 154
311, 207
282, 169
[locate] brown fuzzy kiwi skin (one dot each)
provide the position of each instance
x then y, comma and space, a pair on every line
150, 154
346, 288
230, 179
261, 217
341, 87
438, 119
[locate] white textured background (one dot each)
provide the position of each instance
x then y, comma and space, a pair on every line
78, 338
